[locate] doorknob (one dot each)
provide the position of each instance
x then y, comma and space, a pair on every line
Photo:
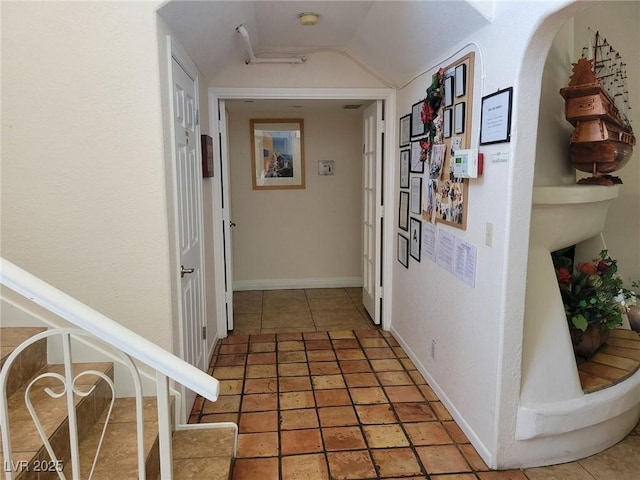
185, 270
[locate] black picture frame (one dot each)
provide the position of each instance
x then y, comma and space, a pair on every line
416, 165
415, 198
417, 127
403, 250
448, 91
495, 117
415, 238
461, 80
405, 166
403, 212
405, 130
459, 118
447, 117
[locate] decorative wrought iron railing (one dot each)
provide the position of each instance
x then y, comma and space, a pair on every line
127, 346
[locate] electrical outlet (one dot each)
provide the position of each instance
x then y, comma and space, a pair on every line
488, 234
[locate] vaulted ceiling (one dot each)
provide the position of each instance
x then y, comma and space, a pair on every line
395, 39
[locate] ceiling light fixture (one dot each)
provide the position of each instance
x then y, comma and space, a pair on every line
308, 19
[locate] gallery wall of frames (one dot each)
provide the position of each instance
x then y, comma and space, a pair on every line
429, 135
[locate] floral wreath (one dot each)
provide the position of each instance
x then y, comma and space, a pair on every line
430, 108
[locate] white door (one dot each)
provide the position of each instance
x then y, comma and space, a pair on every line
372, 206
226, 222
189, 216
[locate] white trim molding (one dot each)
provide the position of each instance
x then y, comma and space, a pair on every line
388, 95
293, 283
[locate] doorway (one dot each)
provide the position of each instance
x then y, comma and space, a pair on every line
186, 175
218, 99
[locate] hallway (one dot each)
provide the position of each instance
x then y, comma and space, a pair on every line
295, 311
349, 404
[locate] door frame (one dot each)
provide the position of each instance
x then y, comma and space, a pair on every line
175, 51
388, 96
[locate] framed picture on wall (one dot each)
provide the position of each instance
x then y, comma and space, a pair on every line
415, 238
403, 250
405, 130
495, 117
459, 118
404, 168
207, 155
403, 213
277, 153
417, 127
416, 195
461, 80
417, 164
446, 123
448, 91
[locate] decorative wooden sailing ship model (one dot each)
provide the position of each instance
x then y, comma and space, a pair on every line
597, 105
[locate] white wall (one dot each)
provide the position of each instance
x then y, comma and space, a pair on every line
619, 21
299, 234
552, 148
324, 69
477, 332
83, 184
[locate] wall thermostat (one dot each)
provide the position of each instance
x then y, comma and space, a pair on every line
467, 163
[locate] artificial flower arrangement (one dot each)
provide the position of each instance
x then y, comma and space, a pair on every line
593, 294
429, 113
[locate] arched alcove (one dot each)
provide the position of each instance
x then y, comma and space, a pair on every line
556, 422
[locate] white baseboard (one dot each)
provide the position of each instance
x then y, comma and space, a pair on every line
279, 284
464, 426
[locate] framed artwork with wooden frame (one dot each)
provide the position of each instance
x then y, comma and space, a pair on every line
277, 153
207, 155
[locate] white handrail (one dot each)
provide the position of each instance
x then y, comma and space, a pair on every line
107, 330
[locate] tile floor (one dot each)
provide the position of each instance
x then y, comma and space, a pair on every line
347, 403
295, 311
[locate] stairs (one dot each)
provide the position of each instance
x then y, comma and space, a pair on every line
198, 452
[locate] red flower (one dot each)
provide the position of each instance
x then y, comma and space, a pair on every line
564, 275
429, 113
425, 145
588, 268
602, 266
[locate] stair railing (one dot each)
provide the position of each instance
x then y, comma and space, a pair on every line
166, 365
69, 390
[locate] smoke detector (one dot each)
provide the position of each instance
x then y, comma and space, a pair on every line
308, 18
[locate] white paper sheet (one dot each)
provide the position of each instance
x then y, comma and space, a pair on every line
446, 246
429, 237
465, 262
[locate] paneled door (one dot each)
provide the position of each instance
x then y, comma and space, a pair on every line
372, 209
188, 170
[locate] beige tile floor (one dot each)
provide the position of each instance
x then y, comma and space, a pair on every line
344, 402
295, 311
